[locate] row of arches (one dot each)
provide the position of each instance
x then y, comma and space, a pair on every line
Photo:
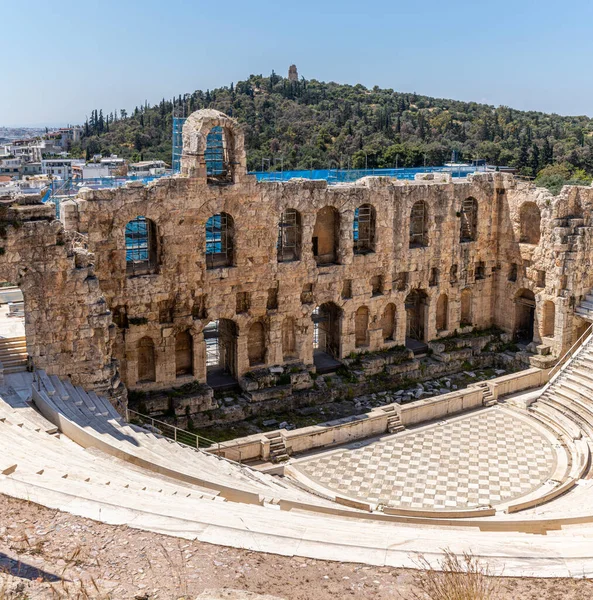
221, 336
141, 234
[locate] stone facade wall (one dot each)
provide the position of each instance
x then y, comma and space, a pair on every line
68, 324
184, 295
86, 313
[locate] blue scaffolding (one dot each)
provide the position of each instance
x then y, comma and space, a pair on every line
177, 143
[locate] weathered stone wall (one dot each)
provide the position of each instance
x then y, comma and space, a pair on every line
182, 294
67, 322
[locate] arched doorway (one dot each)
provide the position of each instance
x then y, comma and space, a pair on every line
442, 319
221, 353
184, 354
326, 337
416, 303
466, 316
388, 323
524, 316
361, 327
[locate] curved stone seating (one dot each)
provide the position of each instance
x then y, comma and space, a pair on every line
91, 422
91, 483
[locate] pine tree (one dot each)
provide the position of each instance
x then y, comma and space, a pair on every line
547, 154
535, 160
523, 157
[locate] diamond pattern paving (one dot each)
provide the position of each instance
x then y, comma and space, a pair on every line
486, 458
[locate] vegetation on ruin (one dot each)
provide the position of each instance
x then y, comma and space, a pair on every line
312, 124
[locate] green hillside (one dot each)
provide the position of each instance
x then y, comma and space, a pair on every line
311, 124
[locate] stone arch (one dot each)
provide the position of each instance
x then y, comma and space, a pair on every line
363, 229
220, 337
419, 225
141, 246
548, 319
388, 322
416, 303
146, 360
289, 347
361, 327
213, 147
530, 223
466, 317
327, 320
326, 235
524, 316
256, 344
442, 316
469, 220
184, 354
220, 234
289, 236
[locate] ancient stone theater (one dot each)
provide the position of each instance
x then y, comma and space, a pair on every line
247, 297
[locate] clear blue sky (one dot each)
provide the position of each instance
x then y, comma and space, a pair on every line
63, 58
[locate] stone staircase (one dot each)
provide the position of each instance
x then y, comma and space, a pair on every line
394, 422
278, 452
567, 403
13, 354
488, 398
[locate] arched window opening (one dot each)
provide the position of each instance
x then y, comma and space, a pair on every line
530, 223
216, 156
326, 235
361, 327
549, 319
466, 308
388, 323
184, 354
469, 220
364, 229
219, 241
442, 320
256, 344
221, 352
418, 225
289, 236
141, 247
289, 349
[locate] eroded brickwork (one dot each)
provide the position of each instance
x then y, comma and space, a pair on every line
241, 275
432, 267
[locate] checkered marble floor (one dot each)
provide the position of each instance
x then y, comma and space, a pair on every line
485, 458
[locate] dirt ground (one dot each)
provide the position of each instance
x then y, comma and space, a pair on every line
50, 554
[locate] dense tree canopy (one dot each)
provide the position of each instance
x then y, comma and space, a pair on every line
311, 124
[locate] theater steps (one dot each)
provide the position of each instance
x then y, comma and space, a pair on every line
93, 422
13, 354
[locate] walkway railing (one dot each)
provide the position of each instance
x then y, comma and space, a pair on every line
182, 436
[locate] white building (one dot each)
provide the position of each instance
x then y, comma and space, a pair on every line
147, 168
90, 171
59, 168
11, 166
